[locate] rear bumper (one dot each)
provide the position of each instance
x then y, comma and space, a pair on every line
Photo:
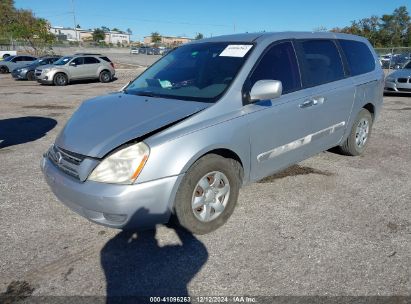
118, 206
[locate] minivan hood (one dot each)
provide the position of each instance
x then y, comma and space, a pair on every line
104, 123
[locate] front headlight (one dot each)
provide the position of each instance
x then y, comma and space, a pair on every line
123, 166
46, 70
390, 79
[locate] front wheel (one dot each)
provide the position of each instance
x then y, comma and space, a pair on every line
359, 136
208, 193
30, 76
60, 79
4, 69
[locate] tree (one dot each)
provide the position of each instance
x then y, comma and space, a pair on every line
105, 28
155, 37
129, 31
98, 35
115, 29
199, 36
78, 26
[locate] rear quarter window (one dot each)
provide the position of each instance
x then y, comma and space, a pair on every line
105, 59
359, 57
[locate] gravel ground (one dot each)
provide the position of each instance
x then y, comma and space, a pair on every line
331, 225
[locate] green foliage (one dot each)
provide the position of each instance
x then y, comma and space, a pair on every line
386, 31
21, 24
98, 35
199, 36
155, 37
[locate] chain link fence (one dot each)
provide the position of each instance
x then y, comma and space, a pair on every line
394, 58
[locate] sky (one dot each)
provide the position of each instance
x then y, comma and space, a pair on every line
209, 17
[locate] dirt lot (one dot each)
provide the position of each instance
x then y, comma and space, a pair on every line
331, 225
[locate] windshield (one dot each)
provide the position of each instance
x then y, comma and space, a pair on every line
198, 72
63, 60
8, 58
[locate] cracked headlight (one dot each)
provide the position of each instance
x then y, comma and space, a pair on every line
122, 166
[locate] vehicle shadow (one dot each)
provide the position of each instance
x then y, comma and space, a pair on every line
19, 130
136, 266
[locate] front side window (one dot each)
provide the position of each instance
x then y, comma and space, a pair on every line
321, 62
279, 63
197, 72
78, 60
359, 57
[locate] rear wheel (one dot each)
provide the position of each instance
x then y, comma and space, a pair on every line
359, 136
30, 76
105, 76
208, 193
4, 69
60, 79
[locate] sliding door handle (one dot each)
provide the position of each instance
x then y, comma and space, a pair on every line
307, 103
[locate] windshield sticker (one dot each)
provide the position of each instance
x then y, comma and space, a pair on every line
236, 50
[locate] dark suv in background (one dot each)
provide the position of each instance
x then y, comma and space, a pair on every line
27, 72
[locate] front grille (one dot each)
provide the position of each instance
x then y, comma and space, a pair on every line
402, 80
65, 160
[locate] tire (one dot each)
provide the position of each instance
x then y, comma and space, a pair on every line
60, 79
105, 76
30, 76
208, 169
4, 69
358, 139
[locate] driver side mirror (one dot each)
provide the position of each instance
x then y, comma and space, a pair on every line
73, 64
266, 89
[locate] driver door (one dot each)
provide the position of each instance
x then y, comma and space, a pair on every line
279, 127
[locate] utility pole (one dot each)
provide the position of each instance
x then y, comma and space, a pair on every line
74, 18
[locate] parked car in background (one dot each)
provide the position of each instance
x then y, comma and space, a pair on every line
210, 117
134, 50
76, 67
146, 50
28, 72
399, 81
14, 62
5, 54
396, 61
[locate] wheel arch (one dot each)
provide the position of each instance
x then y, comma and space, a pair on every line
370, 108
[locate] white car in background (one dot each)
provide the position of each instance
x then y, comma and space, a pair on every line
5, 54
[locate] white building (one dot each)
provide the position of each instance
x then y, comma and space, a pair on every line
69, 34
65, 33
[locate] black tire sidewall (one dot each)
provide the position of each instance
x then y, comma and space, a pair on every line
201, 167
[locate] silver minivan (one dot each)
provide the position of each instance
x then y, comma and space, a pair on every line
211, 116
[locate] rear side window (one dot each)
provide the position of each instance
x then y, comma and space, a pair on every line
279, 63
91, 60
321, 62
359, 57
105, 59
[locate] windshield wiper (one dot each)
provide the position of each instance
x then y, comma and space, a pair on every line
143, 93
